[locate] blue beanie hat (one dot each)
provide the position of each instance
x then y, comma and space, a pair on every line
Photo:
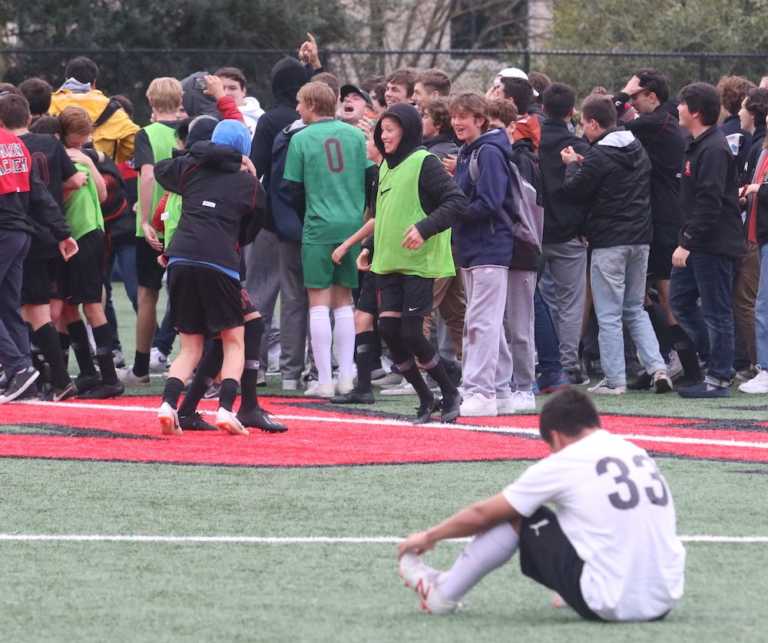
234, 134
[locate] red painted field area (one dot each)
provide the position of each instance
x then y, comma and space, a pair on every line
126, 430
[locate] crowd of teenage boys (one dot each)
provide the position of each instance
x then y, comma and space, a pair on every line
486, 246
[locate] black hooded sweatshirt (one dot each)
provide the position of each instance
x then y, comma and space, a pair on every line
441, 199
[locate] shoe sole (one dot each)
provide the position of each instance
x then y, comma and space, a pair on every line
22, 390
168, 426
230, 427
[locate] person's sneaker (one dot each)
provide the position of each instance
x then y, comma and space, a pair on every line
478, 405
551, 382
70, 390
212, 391
258, 418
422, 579
576, 376
378, 373
426, 410
603, 388
642, 382
390, 379
344, 386
118, 358
450, 408
675, 366
661, 382
169, 420
505, 405
354, 397
85, 383
746, 374
227, 421
524, 401
315, 389
158, 361
758, 384
19, 383
290, 385
103, 391
129, 378
261, 378
703, 390
195, 422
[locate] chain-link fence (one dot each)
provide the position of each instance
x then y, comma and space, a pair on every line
130, 71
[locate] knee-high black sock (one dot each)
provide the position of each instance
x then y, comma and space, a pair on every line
413, 376
103, 337
686, 352
254, 329
209, 365
391, 330
172, 392
47, 339
228, 393
78, 338
141, 364
64, 341
413, 333
365, 359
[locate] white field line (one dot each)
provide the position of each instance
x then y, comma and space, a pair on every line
510, 430
299, 540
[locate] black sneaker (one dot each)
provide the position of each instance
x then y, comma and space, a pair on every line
642, 382
103, 391
354, 397
19, 383
258, 418
450, 407
703, 390
426, 409
84, 383
70, 390
576, 376
195, 422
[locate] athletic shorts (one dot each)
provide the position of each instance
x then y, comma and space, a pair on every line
81, 279
38, 284
406, 294
149, 273
366, 298
320, 271
548, 557
204, 301
663, 246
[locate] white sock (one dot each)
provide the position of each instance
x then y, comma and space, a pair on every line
344, 341
320, 335
484, 553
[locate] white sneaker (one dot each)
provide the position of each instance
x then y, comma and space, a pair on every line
344, 386
227, 421
505, 405
421, 578
315, 389
479, 406
169, 420
602, 388
401, 389
675, 366
524, 400
758, 384
129, 378
290, 385
158, 361
662, 383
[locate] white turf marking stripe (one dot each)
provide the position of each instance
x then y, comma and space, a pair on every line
434, 425
305, 540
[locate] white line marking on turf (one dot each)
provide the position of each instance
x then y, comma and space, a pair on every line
294, 540
509, 430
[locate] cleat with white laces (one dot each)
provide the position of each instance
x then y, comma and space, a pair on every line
422, 579
169, 420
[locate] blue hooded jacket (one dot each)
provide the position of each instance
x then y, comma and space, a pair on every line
484, 234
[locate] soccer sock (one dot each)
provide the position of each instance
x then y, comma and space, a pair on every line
209, 365
320, 335
365, 358
254, 329
412, 375
429, 360
484, 553
78, 338
172, 391
689, 358
228, 393
437, 371
47, 339
103, 337
141, 364
344, 340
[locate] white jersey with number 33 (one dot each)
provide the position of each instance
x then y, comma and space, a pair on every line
617, 511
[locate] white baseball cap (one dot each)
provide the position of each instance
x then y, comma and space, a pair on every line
514, 72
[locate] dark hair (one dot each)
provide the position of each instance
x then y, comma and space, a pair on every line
38, 94
14, 111
83, 69
437, 80
520, 91
404, 77
654, 81
600, 108
702, 99
756, 104
540, 82
440, 113
569, 412
376, 87
559, 100
232, 73
46, 125
125, 102
471, 103
329, 79
502, 109
733, 90
9, 88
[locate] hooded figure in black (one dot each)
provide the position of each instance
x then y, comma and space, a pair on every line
442, 201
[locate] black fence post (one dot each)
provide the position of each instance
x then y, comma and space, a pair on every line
702, 68
527, 60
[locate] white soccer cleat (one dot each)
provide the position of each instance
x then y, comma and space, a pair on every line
169, 420
421, 578
227, 421
344, 386
158, 361
315, 389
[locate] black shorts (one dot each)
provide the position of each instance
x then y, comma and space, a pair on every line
406, 294
246, 303
204, 301
149, 273
81, 279
660, 256
366, 298
548, 557
38, 284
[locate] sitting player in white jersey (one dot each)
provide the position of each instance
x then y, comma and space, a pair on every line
608, 546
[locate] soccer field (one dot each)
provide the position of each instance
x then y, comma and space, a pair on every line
110, 531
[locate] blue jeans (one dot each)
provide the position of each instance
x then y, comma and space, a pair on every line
14, 336
547, 344
618, 292
166, 333
761, 311
124, 255
709, 277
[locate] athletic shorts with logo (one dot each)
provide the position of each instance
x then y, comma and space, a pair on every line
406, 294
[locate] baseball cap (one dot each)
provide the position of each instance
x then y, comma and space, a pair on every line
346, 90
514, 72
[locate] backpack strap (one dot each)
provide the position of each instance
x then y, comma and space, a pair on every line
474, 166
111, 108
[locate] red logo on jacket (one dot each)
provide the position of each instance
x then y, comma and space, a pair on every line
687, 170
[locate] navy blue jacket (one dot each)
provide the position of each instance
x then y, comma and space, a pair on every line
484, 234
